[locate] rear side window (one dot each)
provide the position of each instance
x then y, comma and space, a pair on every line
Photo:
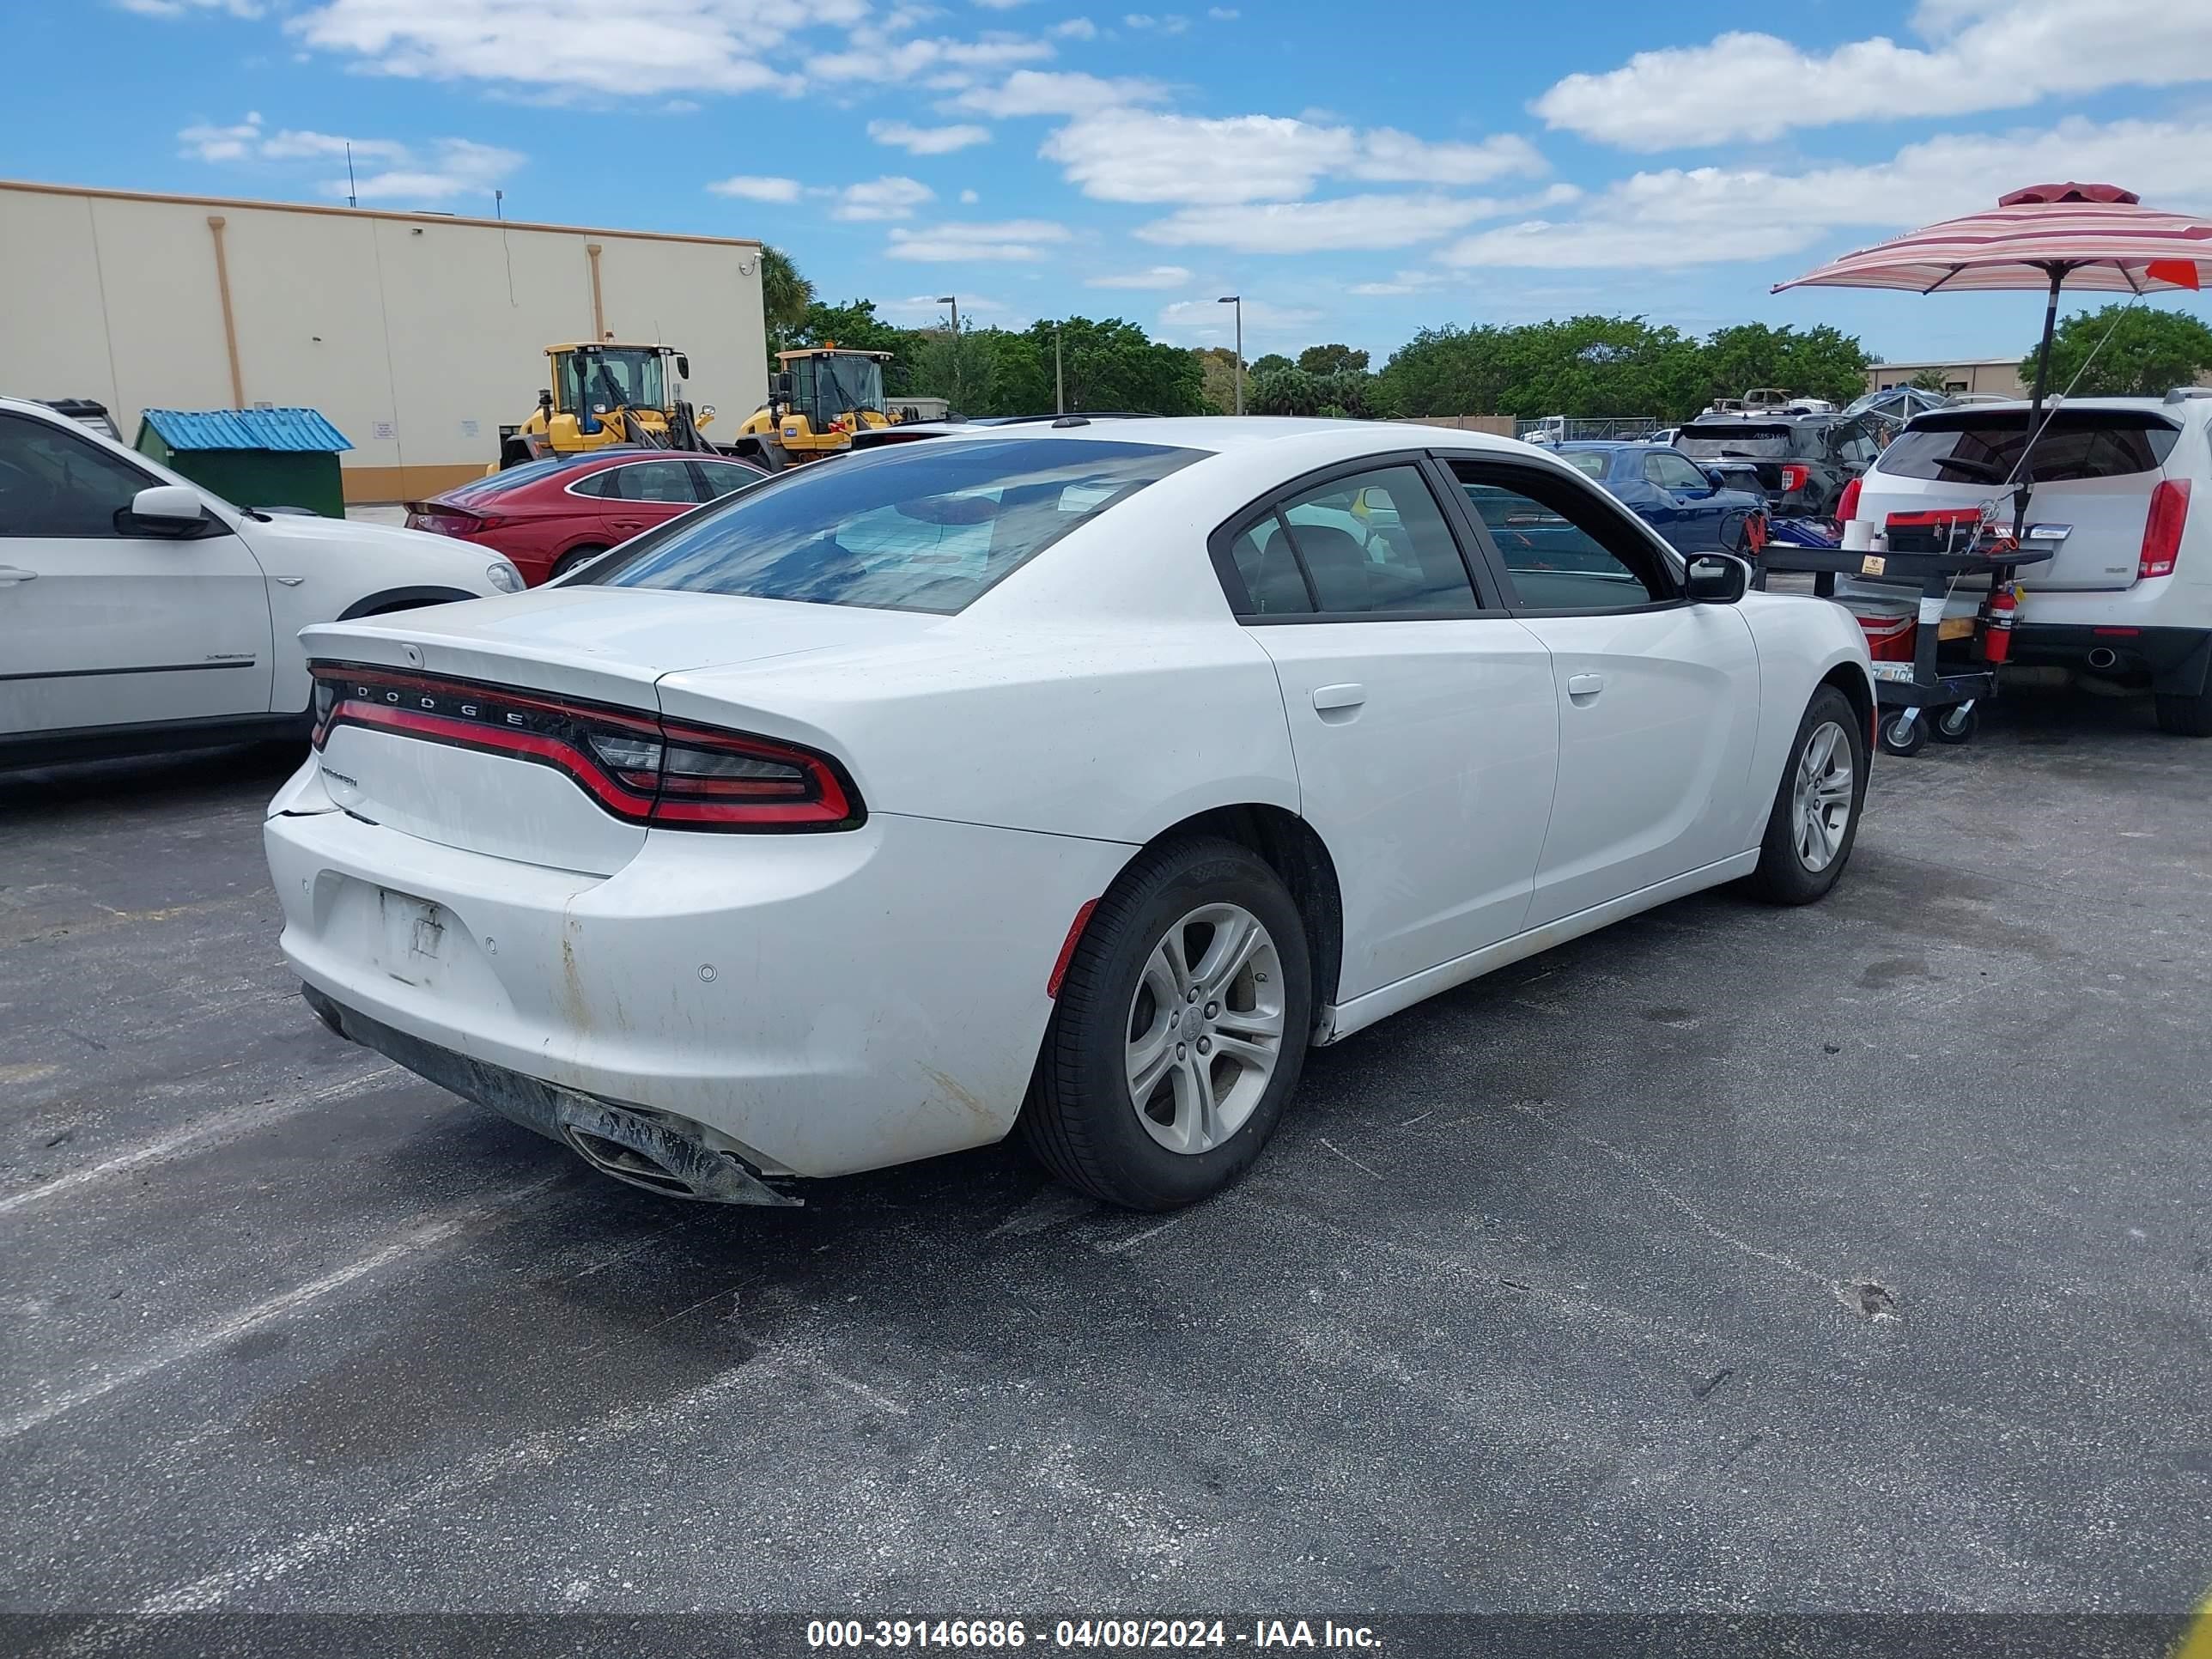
1590, 463
1973, 448
916, 527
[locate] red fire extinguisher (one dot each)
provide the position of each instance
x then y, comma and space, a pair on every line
1996, 640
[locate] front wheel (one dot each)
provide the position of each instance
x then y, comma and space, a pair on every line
1815, 820
1180, 1031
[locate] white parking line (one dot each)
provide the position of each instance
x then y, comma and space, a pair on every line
195, 1137
421, 1237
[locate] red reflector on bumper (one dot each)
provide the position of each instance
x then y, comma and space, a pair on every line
1067, 947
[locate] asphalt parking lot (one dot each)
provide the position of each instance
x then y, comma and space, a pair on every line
1852, 1258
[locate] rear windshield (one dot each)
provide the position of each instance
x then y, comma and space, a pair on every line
921, 527
1588, 462
1983, 447
507, 478
1757, 443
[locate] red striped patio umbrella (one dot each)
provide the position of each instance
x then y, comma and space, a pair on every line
2086, 236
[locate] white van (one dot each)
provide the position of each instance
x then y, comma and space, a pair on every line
2127, 593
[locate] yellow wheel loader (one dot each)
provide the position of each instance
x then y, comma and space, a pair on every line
820, 398
608, 394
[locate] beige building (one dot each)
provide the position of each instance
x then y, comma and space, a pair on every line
1992, 376
417, 334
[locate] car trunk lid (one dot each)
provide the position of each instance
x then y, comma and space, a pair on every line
2095, 471
489, 727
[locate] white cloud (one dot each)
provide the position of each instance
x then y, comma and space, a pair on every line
1152, 277
1404, 281
893, 197
871, 59
1001, 5
1347, 221
755, 187
1985, 54
1173, 23
1075, 28
968, 197
923, 310
187, 8
212, 143
1138, 155
640, 47
453, 166
1057, 92
927, 141
1014, 240
1223, 13
1389, 156
1210, 320
1675, 217
457, 167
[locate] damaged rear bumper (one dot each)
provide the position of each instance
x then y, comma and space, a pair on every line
657, 1151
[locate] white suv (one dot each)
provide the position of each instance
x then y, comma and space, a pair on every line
139, 612
2128, 594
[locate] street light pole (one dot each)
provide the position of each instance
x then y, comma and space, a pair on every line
1058, 379
954, 301
1237, 301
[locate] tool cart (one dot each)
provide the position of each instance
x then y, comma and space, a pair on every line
1932, 671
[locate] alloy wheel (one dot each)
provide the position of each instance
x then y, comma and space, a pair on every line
1205, 1032
1820, 797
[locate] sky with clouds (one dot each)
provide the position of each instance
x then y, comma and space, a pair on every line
1355, 172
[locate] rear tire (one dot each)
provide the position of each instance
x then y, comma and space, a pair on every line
1213, 1072
1816, 821
571, 559
2185, 715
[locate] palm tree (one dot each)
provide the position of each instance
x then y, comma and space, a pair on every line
785, 295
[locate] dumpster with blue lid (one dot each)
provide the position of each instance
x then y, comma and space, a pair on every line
269, 459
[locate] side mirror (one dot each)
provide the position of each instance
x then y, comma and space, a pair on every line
1715, 477
545, 401
1717, 579
165, 510
682, 366
783, 386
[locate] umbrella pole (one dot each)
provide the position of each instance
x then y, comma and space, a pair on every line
2021, 490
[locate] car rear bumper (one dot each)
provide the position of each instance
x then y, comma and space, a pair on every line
823, 1004
2176, 659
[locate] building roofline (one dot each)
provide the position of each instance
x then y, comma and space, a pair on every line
1946, 362
418, 217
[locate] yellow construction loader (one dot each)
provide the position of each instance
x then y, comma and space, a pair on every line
821, 396
608, 394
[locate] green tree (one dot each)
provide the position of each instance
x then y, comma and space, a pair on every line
1288, 389
1331, 359
1217, 366
855, 326
785, 295
961, 369
2147, 355
1928, 379
1268, 364
1114, 364
1821, 362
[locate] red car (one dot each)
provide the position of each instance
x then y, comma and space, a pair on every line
550, 516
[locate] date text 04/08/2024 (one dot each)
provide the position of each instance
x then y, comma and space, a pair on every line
988, 1634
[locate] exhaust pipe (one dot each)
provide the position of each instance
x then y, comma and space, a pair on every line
2103, 656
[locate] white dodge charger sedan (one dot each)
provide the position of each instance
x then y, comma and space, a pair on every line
1066, 779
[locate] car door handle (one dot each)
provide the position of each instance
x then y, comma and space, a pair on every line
16, 573
1328, 698
1582, 687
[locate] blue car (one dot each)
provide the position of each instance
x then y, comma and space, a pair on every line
1680, 499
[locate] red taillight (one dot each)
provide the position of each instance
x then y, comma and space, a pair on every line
1754, 532
440, 520
1793, 476
2162, 542
637, 766
1847, 504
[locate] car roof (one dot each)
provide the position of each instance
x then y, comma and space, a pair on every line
1221, 434
1765, 417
